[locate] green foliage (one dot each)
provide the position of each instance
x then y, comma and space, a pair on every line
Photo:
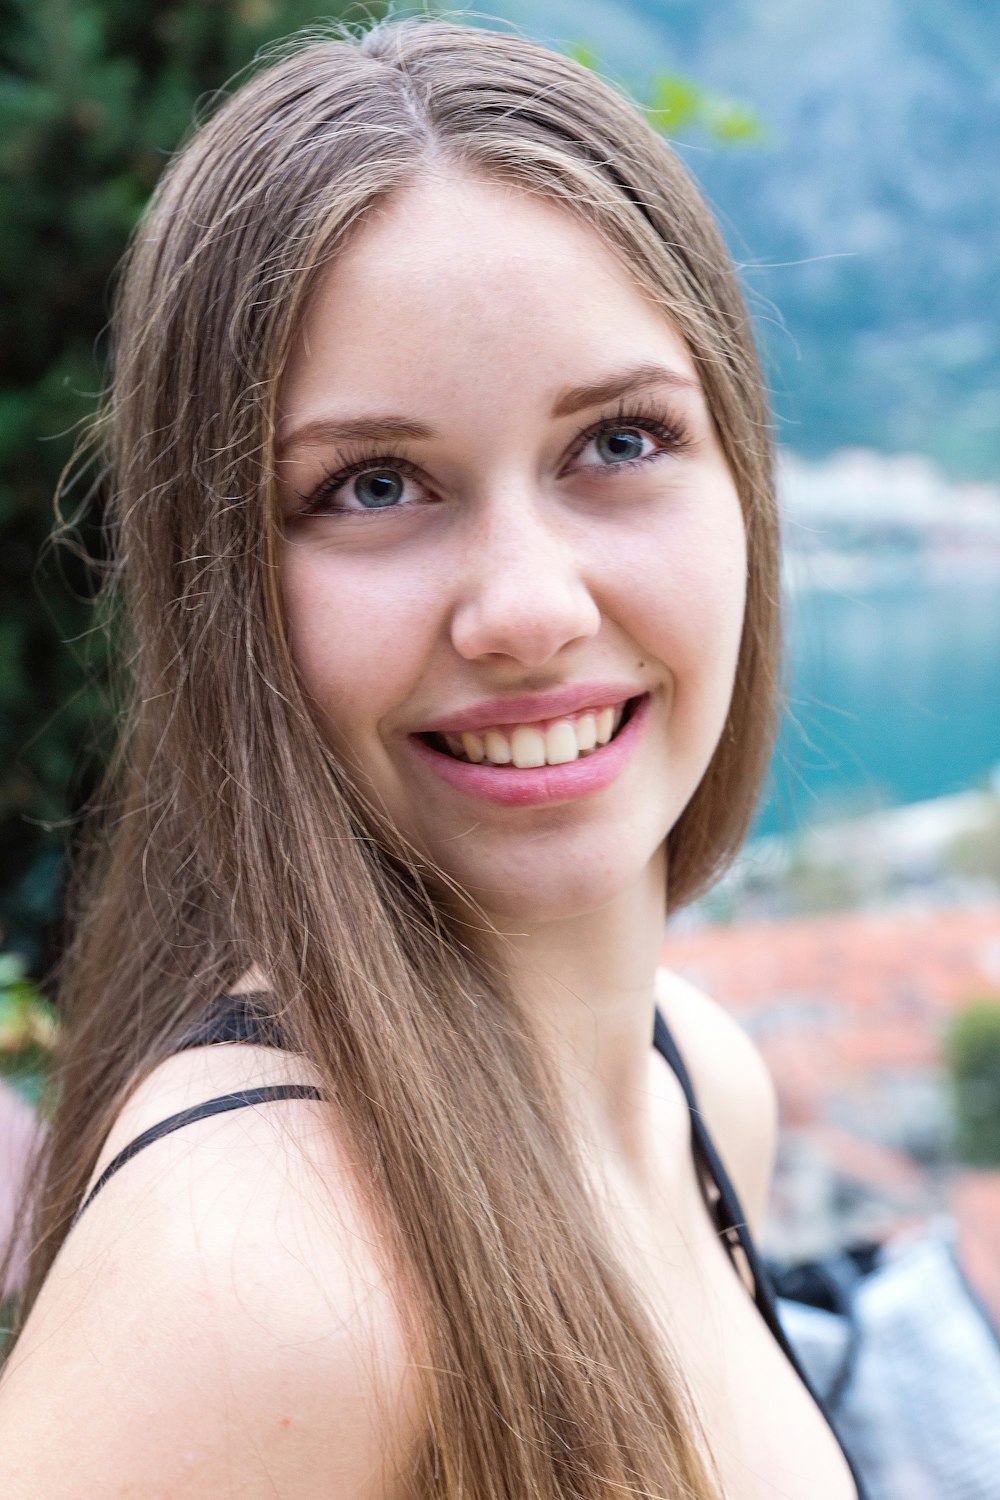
676, 105
972, 1047
585, 55
976, 852
733, 123
674, 102
27, 1029
94, 97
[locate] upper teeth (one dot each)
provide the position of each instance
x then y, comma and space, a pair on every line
552, 744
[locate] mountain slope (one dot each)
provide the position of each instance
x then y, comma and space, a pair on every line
868, 226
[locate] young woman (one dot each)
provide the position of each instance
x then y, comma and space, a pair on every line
448, 560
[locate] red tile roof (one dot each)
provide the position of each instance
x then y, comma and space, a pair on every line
878, 988
841, 1006
917, 956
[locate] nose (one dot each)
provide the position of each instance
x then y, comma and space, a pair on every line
523, 590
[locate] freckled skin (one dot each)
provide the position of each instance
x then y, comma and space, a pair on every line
511, 564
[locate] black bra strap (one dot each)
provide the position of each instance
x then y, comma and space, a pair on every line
726, 1210
265, 1094
731, 1220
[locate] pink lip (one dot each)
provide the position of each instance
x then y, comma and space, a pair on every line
542, 784
530, 708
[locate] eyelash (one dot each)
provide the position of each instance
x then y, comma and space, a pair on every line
651, 417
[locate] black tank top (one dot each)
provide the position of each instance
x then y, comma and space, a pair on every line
237, 1018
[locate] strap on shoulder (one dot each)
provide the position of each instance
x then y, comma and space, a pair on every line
264, 1094
726, 1210
731, 1220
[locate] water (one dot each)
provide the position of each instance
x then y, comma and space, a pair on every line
895, 698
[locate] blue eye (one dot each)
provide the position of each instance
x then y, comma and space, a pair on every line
378, 488
619, 444
637, 434
367, 485
616, 446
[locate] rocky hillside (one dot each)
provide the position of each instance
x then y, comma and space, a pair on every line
869, 222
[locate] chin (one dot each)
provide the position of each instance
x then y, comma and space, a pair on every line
556, 890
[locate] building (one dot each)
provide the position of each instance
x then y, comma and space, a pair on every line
850, 1013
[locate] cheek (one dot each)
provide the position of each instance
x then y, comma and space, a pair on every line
356, 639
686, 594
686, 611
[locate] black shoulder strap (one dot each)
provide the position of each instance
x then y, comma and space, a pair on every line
726, 1210
731, 1220
265, 1094
232, 1018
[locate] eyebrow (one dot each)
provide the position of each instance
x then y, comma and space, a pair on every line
358, 429
623, 383
576, 398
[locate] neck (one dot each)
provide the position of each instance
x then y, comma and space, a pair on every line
587, 986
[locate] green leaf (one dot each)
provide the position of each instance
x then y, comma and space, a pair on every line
673, 101
26, 1073
16, 422
581, 53
13, 682
12, 969
972, 1048
732, 123
28, 1024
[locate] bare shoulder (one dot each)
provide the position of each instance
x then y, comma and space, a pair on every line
734, 1087
222, 1319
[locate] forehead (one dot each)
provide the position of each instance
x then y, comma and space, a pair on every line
462, 286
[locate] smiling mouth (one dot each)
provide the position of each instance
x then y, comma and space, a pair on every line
529, 747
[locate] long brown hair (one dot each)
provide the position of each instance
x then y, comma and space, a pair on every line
228, 834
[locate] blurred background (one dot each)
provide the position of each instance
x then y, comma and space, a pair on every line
852, 153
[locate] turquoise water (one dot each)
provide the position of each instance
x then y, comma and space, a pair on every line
895, 698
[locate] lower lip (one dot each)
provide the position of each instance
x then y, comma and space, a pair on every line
541, 784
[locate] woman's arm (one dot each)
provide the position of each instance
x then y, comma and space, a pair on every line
218, 1323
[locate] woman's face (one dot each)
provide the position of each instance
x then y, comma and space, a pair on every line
466, 520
